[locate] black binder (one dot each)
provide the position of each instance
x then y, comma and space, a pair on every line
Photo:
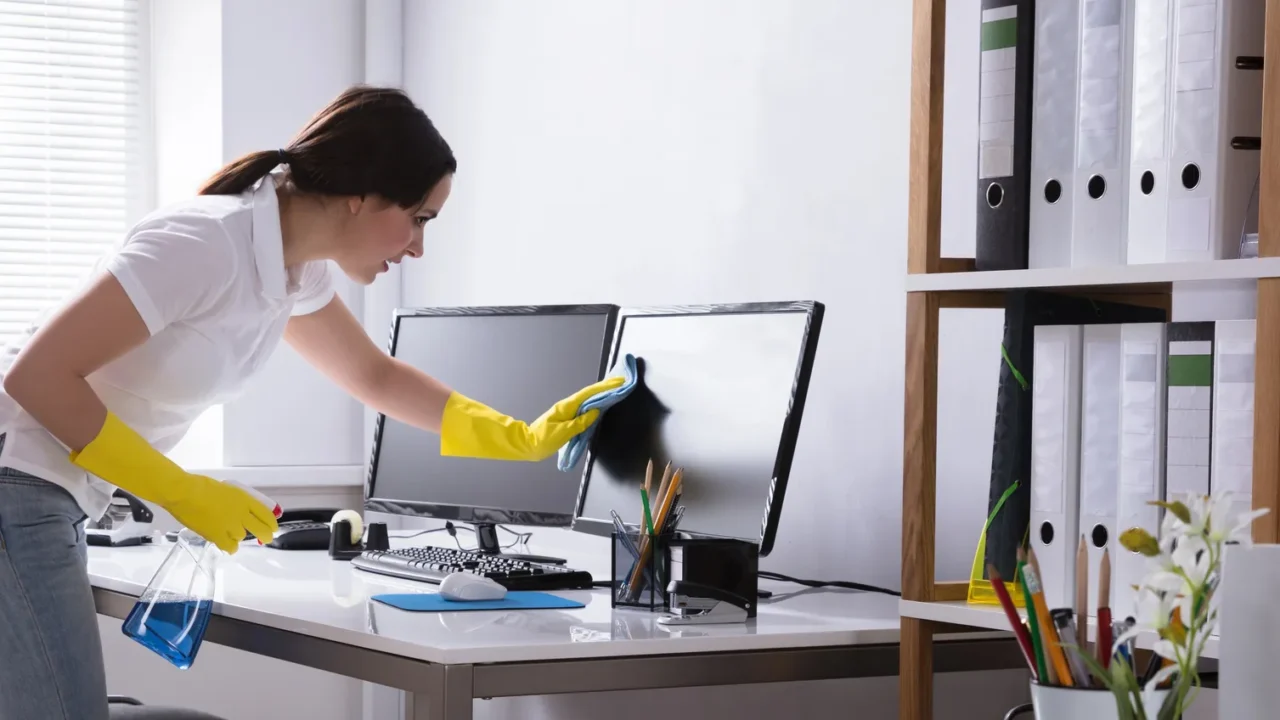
1011, 454
1004, 129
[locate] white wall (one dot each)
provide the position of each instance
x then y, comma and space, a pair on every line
721, 150
300, 55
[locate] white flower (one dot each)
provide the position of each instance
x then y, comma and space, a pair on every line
1166, 649
1164, 674
1153, 614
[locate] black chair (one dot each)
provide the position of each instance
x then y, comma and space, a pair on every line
121, 707
1020, 711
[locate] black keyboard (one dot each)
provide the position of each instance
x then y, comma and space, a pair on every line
434, 564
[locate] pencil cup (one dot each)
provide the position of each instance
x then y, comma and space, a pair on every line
641, 570
1069, 703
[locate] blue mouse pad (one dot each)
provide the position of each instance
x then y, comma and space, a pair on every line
515, 600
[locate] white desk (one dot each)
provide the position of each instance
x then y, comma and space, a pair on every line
304, 608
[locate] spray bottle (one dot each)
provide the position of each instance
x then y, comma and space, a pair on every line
172, 614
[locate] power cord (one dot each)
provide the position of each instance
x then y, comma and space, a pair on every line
767, 575
449, 527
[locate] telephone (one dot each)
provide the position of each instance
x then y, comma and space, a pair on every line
303, 529
298, 529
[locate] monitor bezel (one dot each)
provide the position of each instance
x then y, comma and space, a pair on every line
465, 513
813, 311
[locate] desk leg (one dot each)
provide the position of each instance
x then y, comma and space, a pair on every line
449, 696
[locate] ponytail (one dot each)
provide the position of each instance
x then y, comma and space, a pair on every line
242, 173
367, 141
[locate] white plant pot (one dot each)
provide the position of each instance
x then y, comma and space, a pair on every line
1063, 703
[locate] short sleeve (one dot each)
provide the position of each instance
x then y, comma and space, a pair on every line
315, 288
172, 274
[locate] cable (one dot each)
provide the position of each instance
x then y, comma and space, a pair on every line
827, 583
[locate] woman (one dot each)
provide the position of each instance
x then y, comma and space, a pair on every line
188, 308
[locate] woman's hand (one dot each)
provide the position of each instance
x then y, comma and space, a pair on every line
472, 429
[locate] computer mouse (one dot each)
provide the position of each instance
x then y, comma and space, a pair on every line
468, 587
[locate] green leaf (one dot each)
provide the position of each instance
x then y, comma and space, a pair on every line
1140, 541
1176, 507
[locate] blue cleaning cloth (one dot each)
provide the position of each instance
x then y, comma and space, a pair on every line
577, 445
515, 600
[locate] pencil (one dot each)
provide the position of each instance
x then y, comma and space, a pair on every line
1103, 646
1020, 632
648, 477
662, 489
646, 546
1082, 597
1053, 646
1044, 673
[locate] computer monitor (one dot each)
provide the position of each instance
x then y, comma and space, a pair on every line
519, 361
721, 395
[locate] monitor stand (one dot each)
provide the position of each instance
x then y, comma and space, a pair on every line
487, 543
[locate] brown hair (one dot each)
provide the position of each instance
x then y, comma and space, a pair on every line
368, 141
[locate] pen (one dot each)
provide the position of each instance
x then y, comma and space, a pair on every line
1064, 619
624, 534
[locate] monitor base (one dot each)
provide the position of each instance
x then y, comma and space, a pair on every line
487, 543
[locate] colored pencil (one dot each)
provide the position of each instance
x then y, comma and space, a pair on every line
1082, 598
1044, 672
1053, 646
1011, 611
1103, 646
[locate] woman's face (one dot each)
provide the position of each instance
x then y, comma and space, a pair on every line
381, 233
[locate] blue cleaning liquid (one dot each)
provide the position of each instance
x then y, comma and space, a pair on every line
173, 630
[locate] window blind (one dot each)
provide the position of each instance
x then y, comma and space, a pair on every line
72, 118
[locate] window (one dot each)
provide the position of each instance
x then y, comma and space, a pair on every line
74, 141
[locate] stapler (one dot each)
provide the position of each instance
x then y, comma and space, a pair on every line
697, 604
128, 521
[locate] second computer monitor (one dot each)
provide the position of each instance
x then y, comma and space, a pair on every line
518, 360
721, 394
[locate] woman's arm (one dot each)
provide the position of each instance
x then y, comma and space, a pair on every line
332, 340
48, 378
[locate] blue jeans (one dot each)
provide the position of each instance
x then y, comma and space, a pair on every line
51, 662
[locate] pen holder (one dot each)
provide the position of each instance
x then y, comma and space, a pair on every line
641, 571
1063, 703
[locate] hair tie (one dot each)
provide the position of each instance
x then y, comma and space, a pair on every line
283, 156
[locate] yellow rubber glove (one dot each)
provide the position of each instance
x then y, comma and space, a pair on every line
473, 429
219, 512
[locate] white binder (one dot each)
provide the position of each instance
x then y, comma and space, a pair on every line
1188, 188
1055, 459
1231, 469
1079, 142
1188, 408
1100, 446
1142, 421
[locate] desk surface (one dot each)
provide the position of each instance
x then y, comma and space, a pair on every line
308, 593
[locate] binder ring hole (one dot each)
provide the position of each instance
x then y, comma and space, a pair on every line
1148, 182
1097, 186
1190, 176
1099, 536
1052, 191
995, 195
1046, 533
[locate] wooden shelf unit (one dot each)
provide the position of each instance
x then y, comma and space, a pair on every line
935, 282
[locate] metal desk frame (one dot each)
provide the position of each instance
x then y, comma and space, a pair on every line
446, 692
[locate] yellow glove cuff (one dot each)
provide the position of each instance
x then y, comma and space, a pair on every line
123, 458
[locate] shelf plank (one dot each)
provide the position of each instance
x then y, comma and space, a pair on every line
1155, 277
991, 617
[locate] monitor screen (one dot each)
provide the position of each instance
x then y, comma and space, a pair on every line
721, 393
519, 361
